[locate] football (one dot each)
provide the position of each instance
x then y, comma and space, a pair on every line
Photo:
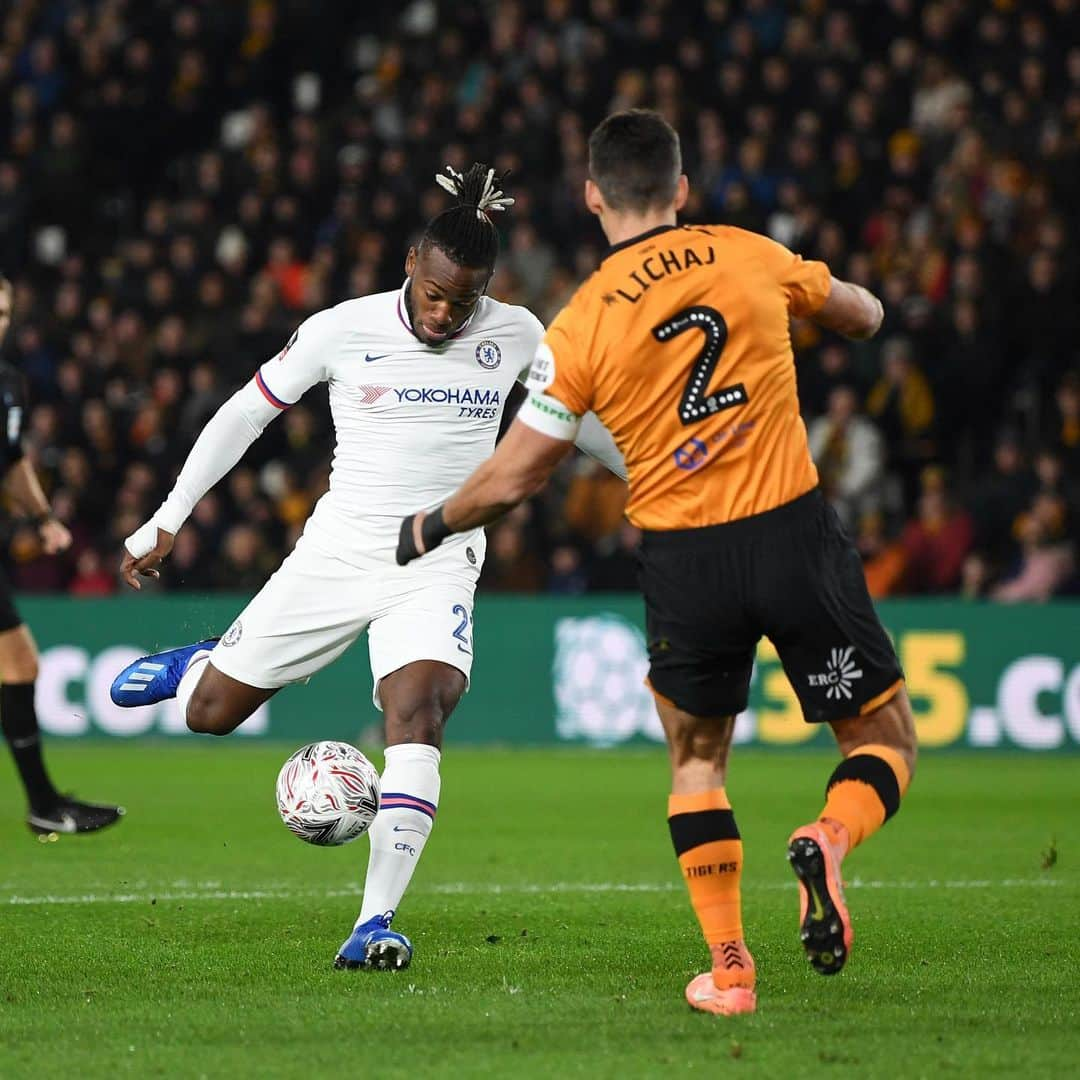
328, 793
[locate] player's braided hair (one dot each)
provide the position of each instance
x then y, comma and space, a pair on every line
465, 232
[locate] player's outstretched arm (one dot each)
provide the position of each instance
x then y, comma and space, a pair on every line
220, 445
850, 310
520, 467
24, 489
232, 429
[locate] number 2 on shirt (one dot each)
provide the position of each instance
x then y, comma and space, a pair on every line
695, 404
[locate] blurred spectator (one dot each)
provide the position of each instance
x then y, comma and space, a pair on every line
849, 453
976, 576
937, 542
902, 405
1065, 430
189, 567
594, 501
244, 563
820, 374
884, 558
91, 578
511, 565
614, 568
1000, 498
930, 152
567, 574
1047, 557
972, 367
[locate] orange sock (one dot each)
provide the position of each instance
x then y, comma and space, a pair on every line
863, 792
709, 849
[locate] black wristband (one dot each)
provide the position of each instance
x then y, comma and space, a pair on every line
433, 530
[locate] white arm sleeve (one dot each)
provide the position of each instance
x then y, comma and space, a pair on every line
220, 445
302, 363
239, 422
595, 440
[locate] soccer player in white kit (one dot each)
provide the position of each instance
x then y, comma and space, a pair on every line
419, 381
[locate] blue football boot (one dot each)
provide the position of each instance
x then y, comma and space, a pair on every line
154, 678
374, 945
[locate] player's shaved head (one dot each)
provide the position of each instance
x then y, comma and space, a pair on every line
635, 161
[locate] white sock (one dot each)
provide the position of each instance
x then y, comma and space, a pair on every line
190, 679
410, 797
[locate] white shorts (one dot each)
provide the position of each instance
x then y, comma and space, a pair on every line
316, 605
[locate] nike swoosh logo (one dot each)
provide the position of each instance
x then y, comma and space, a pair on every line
381, 356
65, 824
398, 828
819, 909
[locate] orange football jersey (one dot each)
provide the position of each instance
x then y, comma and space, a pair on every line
680, 343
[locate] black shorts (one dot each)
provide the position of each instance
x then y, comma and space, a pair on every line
9, 617
790, 574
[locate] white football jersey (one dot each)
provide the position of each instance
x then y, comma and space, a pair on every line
412, 421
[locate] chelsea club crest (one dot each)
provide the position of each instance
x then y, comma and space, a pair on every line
488, 355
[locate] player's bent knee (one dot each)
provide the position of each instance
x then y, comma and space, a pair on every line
19, 666
23, 670
891, 724
417, 701
697, 738
421, 718
207, 715
422, 722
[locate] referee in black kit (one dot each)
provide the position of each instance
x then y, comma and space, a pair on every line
49, 812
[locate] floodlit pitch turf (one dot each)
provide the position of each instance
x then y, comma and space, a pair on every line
552, 934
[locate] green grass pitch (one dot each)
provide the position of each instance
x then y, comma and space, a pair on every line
552, 933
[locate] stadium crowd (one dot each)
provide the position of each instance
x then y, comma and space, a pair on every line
182, 183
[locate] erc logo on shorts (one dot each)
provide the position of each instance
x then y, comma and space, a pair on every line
840, 673
232, 635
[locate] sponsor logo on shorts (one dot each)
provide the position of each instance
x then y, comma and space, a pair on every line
839, 674
232, 635
488, 355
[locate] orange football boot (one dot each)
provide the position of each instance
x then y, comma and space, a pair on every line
824, 922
